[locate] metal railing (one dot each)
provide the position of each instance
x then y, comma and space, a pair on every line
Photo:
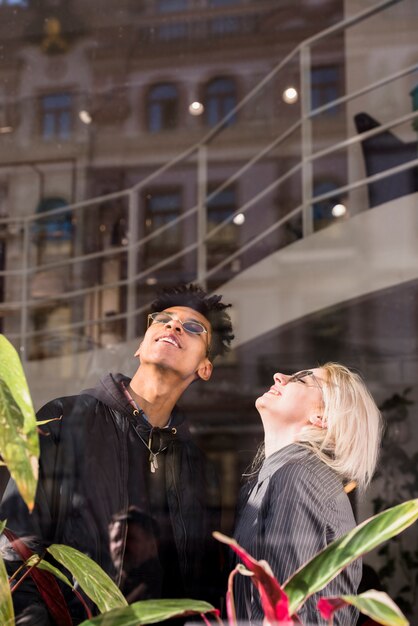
128, 254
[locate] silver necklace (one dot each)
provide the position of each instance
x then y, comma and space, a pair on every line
153, 460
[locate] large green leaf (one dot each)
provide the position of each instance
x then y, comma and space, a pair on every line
95, 583
7, 616
318, 572
149, 612
375, 604
19, 444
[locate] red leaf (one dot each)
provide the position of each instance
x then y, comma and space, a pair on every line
45, 582
274, 600
328, 606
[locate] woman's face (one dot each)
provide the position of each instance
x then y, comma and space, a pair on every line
294, 399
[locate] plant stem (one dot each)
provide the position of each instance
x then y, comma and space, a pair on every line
22, 578
83, 602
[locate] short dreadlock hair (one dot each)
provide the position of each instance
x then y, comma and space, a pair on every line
211, 307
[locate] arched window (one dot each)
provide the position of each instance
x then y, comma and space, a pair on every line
220, 99
163, 107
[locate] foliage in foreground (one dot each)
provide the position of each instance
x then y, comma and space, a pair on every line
19, 449
281, 602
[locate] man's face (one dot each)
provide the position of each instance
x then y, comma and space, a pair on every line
170, 346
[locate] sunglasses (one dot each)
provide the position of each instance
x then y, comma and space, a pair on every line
299, 376
190, 326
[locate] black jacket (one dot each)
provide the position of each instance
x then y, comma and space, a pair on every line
83, 485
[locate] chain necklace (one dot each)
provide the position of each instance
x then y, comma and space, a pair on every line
153, 460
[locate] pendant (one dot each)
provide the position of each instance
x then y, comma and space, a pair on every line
153, 462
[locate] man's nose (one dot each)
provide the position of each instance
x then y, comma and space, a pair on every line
175, 324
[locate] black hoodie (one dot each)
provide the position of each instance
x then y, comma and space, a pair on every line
95, 485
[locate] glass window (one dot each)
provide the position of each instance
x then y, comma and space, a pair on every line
325, 86
161, 208
14, 3
171, 6
57, 226
162, 107
224, 24
324, 211
172, 29
220, 99
219, 208
56, 116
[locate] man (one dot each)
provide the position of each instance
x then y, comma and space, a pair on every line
122, 453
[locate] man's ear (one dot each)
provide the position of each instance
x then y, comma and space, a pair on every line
204, 371
318, 420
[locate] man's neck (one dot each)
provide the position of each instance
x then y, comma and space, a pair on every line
156, 392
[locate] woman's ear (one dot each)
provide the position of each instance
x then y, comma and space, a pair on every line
318, 420
138, 352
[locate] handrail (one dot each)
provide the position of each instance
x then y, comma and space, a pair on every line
110, 252
293, 213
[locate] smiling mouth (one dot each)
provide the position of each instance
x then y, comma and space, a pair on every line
274, 391
169, 340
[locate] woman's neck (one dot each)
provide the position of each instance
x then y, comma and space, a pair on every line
275, 440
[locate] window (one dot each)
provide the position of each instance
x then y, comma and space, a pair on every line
56, 227
219, 208
162, 107
14, 3
220, 99
161, 208
323, 211
325, 86
172, 29
56, 116
226, 24
171, 6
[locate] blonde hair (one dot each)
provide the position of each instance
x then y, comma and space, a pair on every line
350, 441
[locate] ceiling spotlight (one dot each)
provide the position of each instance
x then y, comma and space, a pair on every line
196, 108
290, 95
338, 210
85, 117
239, 219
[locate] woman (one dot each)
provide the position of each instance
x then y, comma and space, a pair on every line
322, 429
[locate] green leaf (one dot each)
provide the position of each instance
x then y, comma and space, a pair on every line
19, 444
92, 579
149, 612
378, 606
323, 567
52, 419
2, 526
7, 616
42, 564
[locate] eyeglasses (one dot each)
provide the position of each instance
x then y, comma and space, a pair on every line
190, 326
299, 376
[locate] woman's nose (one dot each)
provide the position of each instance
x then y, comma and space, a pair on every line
280, 378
